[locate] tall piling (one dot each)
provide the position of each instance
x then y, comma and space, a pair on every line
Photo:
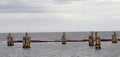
91, 40
114, 38
10, 41
97, 41
64, 38
26, 41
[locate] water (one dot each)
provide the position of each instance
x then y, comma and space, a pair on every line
71, 49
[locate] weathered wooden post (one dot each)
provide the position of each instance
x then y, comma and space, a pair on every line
26, 41
114, 38
91, 40
97, 41
10, 40
64, 38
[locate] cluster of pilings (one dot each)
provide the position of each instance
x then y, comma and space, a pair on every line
94, 40
26, 41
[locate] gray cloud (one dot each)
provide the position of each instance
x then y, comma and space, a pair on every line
27, 6
18, 6
59, 15
63, 1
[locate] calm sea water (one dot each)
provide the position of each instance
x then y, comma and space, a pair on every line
74, 49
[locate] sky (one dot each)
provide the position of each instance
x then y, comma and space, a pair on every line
59, 15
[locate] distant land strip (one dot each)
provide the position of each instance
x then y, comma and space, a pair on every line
84, 40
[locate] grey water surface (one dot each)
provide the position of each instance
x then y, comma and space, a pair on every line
56, 49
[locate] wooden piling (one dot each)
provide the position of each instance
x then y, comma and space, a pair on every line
64, 38
91, 40
114, 38
10, 41
26, 41
97, 41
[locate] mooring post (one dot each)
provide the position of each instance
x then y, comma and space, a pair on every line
97, 41
26, 41
114, 38
64, 38
91, 40
10, 41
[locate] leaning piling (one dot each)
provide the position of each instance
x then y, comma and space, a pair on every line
10, 41
26, 41
97, 41
64, 38
114, 38
91, 40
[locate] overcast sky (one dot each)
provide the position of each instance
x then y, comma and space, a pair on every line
59, 15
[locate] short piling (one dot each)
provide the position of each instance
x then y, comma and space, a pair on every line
26, 41
10, 41
114, 38
97, 41
64, 38
91, 40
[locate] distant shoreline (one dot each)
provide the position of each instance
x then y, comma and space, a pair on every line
60, 31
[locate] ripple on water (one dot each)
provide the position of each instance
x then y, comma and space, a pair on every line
78, 49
